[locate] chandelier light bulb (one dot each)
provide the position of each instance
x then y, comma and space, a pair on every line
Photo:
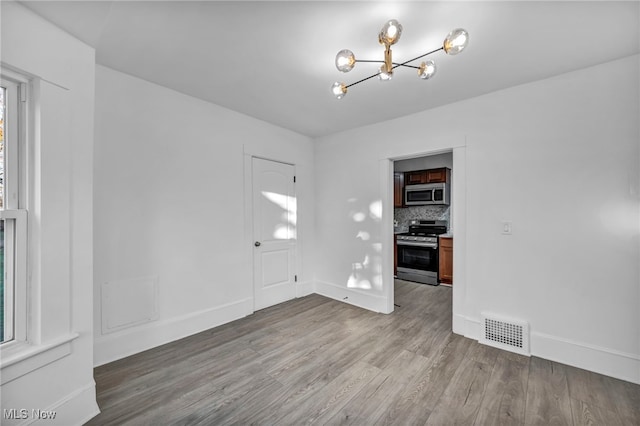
427, 70
383, 75
339, 90
345, 60
456, 41
390, 33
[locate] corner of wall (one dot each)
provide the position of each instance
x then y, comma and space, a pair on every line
352, 296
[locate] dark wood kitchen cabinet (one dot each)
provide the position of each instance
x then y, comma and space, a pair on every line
395, 255
414, 178
439, 175
398, 189
445, 255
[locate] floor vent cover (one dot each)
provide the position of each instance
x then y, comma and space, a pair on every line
507, 334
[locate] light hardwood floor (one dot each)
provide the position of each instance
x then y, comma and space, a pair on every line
315, 360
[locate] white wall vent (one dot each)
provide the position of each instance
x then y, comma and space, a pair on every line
505, 333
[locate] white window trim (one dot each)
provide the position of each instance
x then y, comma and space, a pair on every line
16, 237
26, 353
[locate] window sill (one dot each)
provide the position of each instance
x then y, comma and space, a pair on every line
20, 358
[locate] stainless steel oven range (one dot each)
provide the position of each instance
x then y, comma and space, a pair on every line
418, 251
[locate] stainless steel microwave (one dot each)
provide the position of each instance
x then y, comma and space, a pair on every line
425, 194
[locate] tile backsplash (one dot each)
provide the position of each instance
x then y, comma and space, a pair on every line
405, 214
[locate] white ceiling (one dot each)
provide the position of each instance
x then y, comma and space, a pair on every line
275, 60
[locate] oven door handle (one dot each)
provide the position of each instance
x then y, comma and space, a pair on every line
418, 244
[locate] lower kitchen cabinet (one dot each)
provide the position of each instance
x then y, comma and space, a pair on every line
395, 255
445, 255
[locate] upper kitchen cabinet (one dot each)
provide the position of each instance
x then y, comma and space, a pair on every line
413, 178
439, 175
398, 189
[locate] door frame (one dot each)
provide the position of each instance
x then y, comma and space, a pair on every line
247, 276
460, 323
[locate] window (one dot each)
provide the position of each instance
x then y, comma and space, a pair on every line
13, 231
36, 315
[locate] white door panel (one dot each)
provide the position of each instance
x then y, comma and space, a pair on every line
275, 267
274, 228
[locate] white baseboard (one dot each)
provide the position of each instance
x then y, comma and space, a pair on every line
623, 366
77, 408
304, 288
114, 346
600, 360
351, 296
466, 327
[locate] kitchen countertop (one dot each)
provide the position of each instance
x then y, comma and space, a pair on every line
447, 235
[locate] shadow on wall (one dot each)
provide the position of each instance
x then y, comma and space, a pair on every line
366, 273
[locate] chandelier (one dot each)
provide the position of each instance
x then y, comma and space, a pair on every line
454, 43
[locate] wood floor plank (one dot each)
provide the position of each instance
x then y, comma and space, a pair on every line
431, 339
372, 401
505, 396
250, 398
460, 402
324, 404
286, 401
142, 398
406, 366
425, 300
590, 388
415, 403
211, 403
547, 394
585, 414
483, 353
282, 357
391, 341
514, 357
627, 398
328, 357
310, 322
152, 385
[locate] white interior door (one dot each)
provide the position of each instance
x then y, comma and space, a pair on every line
274, 232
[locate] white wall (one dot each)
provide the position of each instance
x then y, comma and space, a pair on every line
54, 370
559, 158
169, 211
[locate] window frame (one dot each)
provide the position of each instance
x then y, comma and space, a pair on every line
40, 342
14, 211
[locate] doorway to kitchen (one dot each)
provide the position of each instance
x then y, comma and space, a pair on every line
422, 207
423, 204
